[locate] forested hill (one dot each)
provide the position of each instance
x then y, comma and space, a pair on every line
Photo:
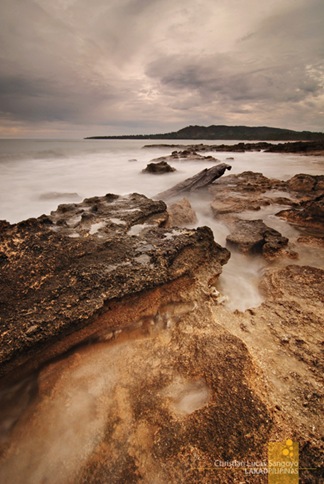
227, 133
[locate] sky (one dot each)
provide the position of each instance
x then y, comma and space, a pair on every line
75, 68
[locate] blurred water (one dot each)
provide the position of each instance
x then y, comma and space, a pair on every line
37, 175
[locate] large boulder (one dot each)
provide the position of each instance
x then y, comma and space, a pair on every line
308, 214
61, 276
181, 213
254, 236
158, 168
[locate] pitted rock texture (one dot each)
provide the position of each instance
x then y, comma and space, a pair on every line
60, 273
308, 214
300, 198
253, 236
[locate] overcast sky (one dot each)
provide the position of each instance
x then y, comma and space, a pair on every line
72, 68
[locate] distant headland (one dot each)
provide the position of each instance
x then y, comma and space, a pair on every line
222, 132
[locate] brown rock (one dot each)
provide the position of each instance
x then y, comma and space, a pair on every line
61, 276
301, 183
181, 214
254, 236
308, 214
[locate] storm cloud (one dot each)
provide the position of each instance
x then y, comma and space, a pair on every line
75, 68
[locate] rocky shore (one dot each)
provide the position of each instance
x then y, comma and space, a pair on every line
66, 273
118, 358
302, 147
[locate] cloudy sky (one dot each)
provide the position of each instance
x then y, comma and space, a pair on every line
72, 68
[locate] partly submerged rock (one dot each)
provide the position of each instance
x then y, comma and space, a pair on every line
187, 154
62, 276
254, 236
308, 214
158, 168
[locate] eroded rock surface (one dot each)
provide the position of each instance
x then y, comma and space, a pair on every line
284, 335
187, 154
60, 273
164, 380
308, 214
253, 236
158, 168
302, 195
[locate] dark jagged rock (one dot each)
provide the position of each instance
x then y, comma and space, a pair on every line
158, 168
187, 154
201, 180
302, 147
308, 214
62, 275
253, 236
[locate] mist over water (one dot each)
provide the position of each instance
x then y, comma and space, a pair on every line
51, 422
38, 175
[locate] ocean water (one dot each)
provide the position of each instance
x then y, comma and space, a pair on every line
37, 175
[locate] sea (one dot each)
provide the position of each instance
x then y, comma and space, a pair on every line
38, 175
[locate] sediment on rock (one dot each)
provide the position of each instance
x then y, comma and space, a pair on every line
60, 274
253, 236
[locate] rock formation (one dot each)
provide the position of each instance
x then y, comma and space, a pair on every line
188, 154
308, 214
302, 147
201, 180
119, 364
253, 236
63, 275
158, 168
181, 214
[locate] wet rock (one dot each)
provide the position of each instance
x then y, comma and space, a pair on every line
187, 154
302, 147
199, 181
308, 214
233, 205
285, 338
181, 213
254, 236
247, 182
158, 168
57, 280
302, 183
